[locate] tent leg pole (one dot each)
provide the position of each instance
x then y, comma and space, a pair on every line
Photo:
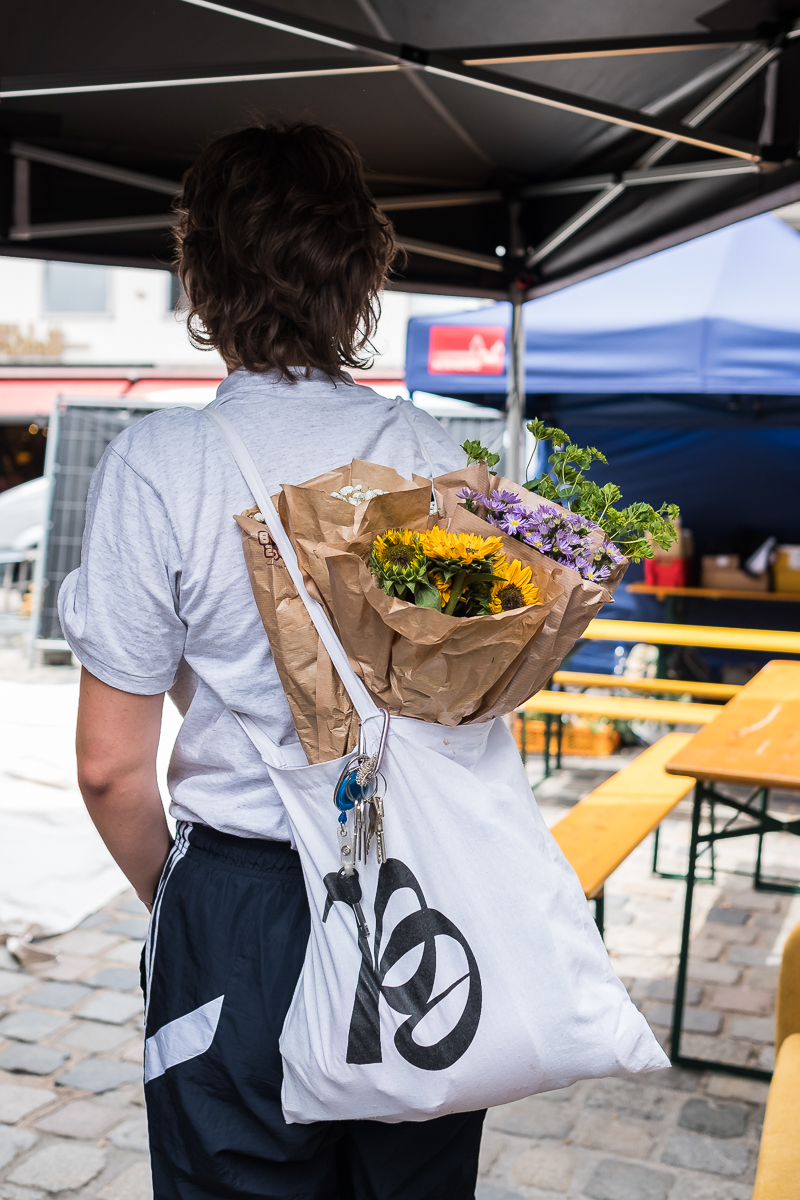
515, 399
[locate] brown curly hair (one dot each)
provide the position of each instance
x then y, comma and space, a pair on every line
282, 250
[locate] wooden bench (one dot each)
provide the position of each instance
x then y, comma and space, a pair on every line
770, 641
663, 687
615, 708
778, 1172
603, 828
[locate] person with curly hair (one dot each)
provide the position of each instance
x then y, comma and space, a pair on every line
282, 252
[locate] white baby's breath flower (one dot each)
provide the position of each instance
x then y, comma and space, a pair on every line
357, 494
259, 517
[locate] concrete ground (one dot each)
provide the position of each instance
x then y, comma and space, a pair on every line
72, 1121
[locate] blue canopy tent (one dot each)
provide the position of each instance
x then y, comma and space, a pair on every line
683, 368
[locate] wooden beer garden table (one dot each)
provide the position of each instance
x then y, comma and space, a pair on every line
754, 743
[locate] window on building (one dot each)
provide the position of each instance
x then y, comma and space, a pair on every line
76, 288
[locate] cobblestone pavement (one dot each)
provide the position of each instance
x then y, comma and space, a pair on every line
72, 1121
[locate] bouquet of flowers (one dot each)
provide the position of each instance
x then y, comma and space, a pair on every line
455, 600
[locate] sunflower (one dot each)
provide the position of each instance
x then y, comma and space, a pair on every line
463, 549
397, 562
514, 589
444, 586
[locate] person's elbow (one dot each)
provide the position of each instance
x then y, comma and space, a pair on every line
103, 777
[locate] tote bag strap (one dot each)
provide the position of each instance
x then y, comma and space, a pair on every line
362, 701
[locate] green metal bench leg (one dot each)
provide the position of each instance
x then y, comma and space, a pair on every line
548, 725
600, 913
559, 740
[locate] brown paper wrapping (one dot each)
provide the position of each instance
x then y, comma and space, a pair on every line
580, 602
415, 662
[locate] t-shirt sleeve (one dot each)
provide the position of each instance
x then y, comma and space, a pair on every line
119, 610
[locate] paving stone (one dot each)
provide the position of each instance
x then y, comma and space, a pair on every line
112, 1007
769, 921
732, 1087
28, 1026
67, 969
533, 1118
755, 1029
10, 1191
614, 1180
13, 1142
718, 1120
99, 1075
130, 928
715, 972
493, 1146
716, 1049
60, 1167
707, 948
95, 1036
32, 1060
692, 1187
81, 1119
664, 989
728, 916
16, 1101
545, 1167
676, 1079
743, 935
766, 1059
135, 906
84, 941
562, 1095
748, 956
628, 1099
124, 979
132, 1135
95, 920
699, 1153
756, 901
126, 952
695, 1020
135, 1183
484, 1191
744, 1000
135, 1052
57, 995
765, 978
14, 981
596, 1132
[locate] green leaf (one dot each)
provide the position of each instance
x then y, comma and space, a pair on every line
478, 453
426, 595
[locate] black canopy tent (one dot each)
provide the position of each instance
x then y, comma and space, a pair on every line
570, 155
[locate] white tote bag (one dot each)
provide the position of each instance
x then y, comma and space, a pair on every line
472, 974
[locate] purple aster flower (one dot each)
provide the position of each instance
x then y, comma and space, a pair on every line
515, 521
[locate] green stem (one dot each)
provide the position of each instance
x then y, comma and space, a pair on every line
455, 594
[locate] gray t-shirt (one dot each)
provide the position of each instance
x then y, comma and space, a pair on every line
162, 599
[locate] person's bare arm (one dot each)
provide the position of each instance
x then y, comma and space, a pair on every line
116, 743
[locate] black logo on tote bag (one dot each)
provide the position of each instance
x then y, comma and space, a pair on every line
413, 998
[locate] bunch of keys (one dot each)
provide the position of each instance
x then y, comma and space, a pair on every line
357, 792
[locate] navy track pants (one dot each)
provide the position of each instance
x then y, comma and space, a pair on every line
227, 941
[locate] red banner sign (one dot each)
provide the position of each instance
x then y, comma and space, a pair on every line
466, 349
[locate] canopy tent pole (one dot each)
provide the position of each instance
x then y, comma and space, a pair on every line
515, 398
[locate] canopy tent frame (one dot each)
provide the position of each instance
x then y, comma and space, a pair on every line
756, 50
